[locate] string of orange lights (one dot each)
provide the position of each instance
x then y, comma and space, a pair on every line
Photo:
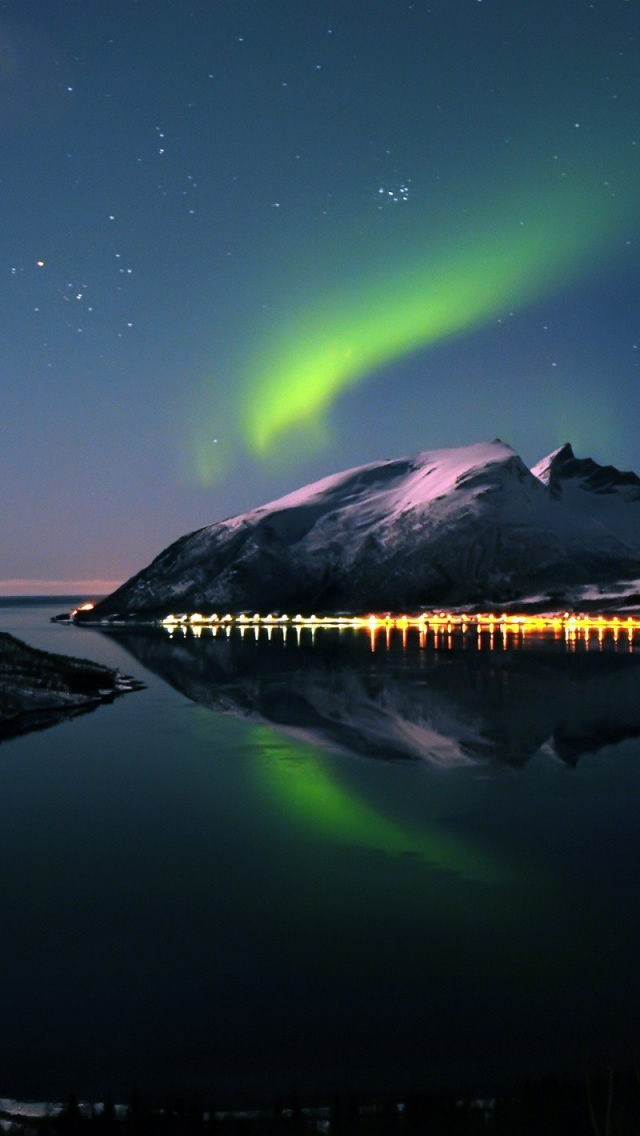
436, 620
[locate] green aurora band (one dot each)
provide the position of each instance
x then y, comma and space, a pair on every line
511, 256
303, 785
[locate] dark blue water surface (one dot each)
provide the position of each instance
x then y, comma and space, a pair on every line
314, 864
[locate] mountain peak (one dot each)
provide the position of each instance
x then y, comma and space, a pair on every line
470, 525
562, 467
563, 453
547, 469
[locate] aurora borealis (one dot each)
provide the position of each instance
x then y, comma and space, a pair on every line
248, 244
432, 296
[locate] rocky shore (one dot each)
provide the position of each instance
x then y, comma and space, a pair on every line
38, 689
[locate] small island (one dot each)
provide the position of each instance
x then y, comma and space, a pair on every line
39, 689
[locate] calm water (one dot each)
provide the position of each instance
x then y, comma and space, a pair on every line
320, 865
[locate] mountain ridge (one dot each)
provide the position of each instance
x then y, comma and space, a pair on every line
458, 526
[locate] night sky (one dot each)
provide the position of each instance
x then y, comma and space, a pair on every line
247, 243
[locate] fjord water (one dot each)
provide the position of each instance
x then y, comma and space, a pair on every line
319, 865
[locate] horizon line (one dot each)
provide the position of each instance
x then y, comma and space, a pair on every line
27, 586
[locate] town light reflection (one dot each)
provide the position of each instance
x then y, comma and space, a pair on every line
443, 630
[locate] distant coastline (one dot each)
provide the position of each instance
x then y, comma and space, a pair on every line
41, 599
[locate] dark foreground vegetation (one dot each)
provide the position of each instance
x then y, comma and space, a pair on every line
38, 688
596, 1105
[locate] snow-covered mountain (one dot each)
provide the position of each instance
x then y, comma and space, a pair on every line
471, 525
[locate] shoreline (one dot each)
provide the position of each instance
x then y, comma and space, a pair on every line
549, 1104
39, 688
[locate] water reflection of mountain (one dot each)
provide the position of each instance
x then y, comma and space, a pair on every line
448, 702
